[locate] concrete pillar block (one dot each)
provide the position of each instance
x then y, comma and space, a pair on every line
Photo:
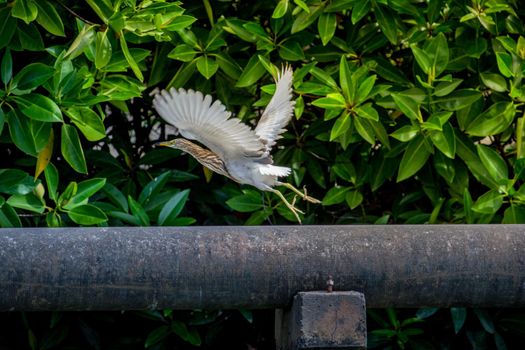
321, 320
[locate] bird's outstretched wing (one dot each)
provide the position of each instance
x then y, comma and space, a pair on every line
279, 111
197, 118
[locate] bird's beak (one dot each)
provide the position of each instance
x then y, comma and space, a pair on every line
164, 143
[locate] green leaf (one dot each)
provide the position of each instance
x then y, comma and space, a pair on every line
269, 67
72, 149
514, 214
39, 107
49, 18
493, 162
9, 217
504, 61
247, 202
6, 68
367, 111
422, 59
30, 37
183, 74
103, 50
496, 119
29, 135
101, 8
131, 60
156, 336
32, 76
346, 81
466, 151
408, 106
8, 26
235, 26
405, 133
115, 196
415, 156
207, 66
138, 211
85, 189
51, 175
446, 87
444, 167
459, 316
298, 108
365, 88
291, 51
16, 182
437, 51
189, 335
181, 22
87, 214
326, 26
69, 192
26, 10
445, 140
88, 122
494, 81
228, 65
253, 71
172, 208
345, 171
342, 124
324, 77
459, 99
331, 101
27, 201
361, 8
488, 203
281, 9
182, 52
306, 18
81, 42
485, 320
386, 22
365, 129
118, 62
335, 195
354, 198
154, 187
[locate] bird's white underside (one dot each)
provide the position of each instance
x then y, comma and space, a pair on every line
199, 118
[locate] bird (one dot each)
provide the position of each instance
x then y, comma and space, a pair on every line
232, 148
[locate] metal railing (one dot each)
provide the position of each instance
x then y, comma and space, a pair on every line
121, 268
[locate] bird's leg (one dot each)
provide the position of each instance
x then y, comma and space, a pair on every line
303, 195
293, 209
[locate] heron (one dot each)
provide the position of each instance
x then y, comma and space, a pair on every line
233, 149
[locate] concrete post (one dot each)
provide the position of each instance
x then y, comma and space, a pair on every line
321, 320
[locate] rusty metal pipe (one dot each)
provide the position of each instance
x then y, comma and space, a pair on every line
259, 267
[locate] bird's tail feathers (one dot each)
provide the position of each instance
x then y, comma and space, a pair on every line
273, 170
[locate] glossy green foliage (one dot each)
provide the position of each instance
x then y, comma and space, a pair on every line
407, 112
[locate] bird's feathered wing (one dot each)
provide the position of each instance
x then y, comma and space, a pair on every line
279, 111
197, 118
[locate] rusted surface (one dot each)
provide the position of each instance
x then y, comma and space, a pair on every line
321, 320
258, 267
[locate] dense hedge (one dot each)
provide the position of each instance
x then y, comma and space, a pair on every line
406, 112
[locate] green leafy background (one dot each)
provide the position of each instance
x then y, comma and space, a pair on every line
407, 112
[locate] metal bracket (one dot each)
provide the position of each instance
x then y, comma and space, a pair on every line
322, 320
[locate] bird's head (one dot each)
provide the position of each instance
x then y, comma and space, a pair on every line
172, 143
181, 144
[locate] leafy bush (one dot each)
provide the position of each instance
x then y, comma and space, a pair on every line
406, 111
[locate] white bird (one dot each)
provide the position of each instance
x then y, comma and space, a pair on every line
234, 149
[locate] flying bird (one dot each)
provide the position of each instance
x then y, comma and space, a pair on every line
233, 148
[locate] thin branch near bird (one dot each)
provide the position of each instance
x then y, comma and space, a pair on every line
234, 149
